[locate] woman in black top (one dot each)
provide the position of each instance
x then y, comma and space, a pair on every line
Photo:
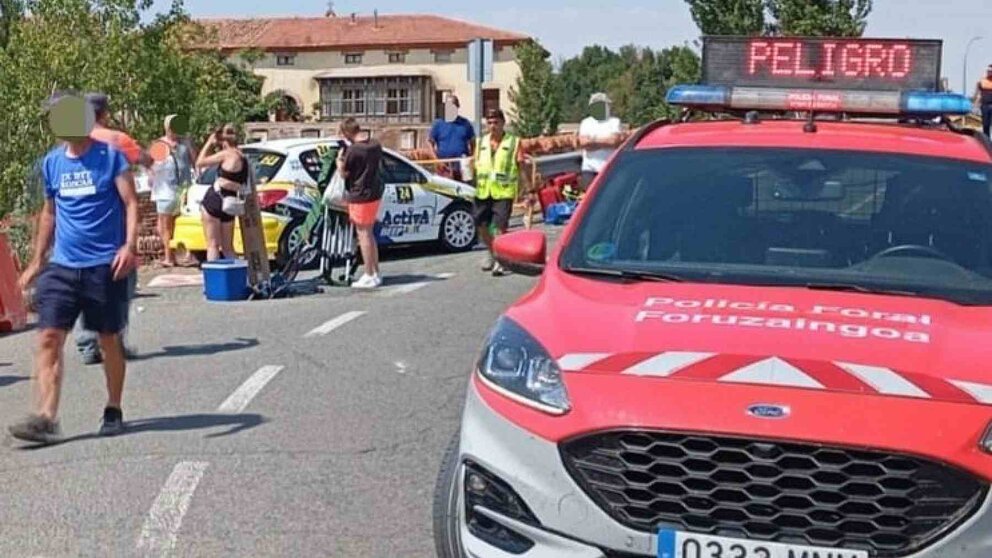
232, 174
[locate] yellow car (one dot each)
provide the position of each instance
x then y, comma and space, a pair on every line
287, 171
189, 239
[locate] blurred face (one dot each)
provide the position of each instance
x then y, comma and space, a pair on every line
495, 125
229, 135
598, 111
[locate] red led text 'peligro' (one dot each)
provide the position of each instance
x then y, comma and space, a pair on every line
839, 59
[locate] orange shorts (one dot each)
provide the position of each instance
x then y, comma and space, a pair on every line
363, 214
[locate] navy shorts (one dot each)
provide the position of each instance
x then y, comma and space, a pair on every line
63, 293
490, 211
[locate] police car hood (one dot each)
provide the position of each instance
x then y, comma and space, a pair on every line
785, 337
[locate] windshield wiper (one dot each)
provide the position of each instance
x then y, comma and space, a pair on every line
849, 287
626, 274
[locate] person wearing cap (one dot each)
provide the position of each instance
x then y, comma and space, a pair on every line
89, 225
104, 133
498, 160
170, 175
599, 135
983, 98
87, 340
452, 137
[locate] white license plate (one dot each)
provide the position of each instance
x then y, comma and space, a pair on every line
679, 544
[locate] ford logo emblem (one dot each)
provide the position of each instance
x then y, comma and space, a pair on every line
768, 411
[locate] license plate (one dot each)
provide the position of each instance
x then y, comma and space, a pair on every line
679, 544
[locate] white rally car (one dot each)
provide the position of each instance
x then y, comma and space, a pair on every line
417, 206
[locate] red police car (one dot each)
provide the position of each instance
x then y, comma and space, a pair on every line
760, 336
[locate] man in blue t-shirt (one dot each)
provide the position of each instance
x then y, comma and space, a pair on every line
452, 137
91, 213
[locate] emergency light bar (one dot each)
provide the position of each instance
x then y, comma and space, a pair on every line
804, 100
850, 75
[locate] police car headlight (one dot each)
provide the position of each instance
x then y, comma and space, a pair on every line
515, 364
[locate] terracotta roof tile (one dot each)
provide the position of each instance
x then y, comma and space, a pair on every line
338, 33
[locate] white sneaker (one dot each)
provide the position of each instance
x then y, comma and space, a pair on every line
378, 280
367, 282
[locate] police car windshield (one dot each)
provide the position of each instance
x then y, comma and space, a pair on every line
860, 221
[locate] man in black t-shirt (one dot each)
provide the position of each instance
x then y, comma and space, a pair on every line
359, 164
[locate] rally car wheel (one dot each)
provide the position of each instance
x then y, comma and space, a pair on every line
447, 505
458, 232
291, 238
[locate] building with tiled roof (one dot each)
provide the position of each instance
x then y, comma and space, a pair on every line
385, 70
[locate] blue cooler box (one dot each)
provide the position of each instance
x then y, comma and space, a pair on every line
225, 280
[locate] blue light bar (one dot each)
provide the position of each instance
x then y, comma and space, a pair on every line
699, 95
935, 103
820, 100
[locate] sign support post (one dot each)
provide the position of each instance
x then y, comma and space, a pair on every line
480, 70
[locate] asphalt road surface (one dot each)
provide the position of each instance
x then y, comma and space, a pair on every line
310, 426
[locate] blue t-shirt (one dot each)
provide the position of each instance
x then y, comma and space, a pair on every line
452, 138
89, 212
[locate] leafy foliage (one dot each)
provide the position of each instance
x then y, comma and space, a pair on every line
103, 45
536, 96
635, 78
729, 17
829, 18
836, 18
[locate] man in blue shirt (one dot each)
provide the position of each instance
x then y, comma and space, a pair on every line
89, 224
452, 137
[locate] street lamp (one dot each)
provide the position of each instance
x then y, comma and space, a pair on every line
964, 78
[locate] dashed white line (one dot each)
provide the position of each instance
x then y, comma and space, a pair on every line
331, 325
161, 529
248, 390
411, 287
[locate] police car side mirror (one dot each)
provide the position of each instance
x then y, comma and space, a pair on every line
522, 252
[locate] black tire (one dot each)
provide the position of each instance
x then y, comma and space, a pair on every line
457, 224
447, 536
289, 241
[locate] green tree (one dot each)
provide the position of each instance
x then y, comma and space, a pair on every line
589, 72
143, 63
11, 11
728, 17
536, 96
638, 93
832, 18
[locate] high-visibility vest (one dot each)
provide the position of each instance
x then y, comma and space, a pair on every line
497, 174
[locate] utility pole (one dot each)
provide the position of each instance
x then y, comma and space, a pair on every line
964, 72
480, 70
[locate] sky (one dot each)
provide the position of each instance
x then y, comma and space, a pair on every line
565, 27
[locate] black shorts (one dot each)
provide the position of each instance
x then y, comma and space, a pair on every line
63, 293
213, 204
493, 211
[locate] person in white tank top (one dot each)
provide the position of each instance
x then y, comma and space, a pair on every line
599, 135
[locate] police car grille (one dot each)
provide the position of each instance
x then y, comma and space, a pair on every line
887, 504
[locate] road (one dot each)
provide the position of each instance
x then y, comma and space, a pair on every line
310, 426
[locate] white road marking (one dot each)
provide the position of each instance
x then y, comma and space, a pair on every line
165, 518
331, 325
400, 367
176, 280
248, 390
411, 287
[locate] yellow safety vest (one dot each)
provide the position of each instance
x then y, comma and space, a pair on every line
497, 175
